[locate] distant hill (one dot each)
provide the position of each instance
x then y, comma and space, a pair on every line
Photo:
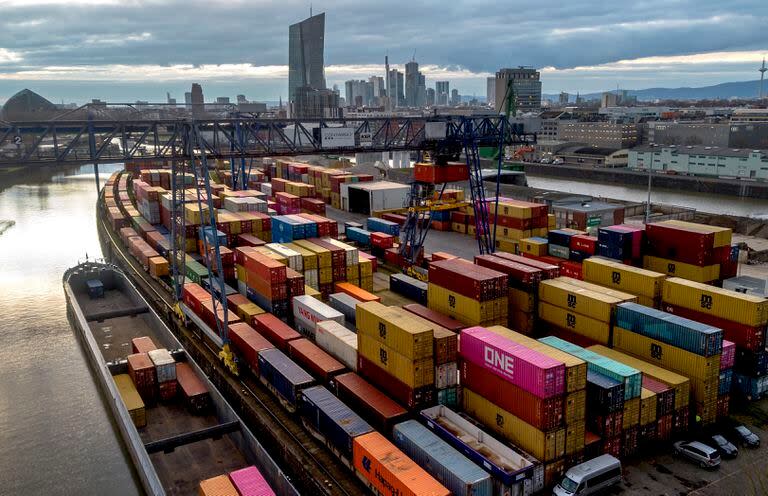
740, 89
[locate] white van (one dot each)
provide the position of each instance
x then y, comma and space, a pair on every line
590, 477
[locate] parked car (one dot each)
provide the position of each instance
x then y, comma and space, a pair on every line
746, 437
590, 477
705, 456
725, 447
557, 161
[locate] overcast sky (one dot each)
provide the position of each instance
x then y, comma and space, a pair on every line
124, 50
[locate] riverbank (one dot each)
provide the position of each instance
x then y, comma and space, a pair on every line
28, 174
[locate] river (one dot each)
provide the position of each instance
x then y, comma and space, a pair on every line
717, 204
56, 434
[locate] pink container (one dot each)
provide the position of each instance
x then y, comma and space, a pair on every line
524, 367
249, 482
728, 355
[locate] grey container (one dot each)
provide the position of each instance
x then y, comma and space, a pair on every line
444, 463
344, 303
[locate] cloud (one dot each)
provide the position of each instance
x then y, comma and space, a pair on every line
9, 56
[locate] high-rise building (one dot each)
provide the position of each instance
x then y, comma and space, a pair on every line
198, 102
490, 91
188, 100
415, 85
564, 98
442, 93
421, 91
526, 86
305, 55
609, 99
358, 93
241, 99
169, 100
430, 97
311, 103
455, 97
397, 98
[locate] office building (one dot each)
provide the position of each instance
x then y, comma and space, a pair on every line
526, 86
188, 100
490, 91
222, 100
379, 89
415, 85
442, 93
455, 97
701, 161
600, 134
305, 56
609, 99
687, 133
564, 98
169, 100
311, 103
241, 99
396, 88
358, 93
197, 100
430, 99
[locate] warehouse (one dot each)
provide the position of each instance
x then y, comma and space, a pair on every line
364, 198
702, 161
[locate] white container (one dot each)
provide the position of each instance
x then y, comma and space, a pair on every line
311, 279
308, 311
295, 260
337, 341
165, 365
352, 256
266, 188
446, 375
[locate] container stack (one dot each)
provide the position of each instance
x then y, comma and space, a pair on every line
324, 265
469, 293
686, 347
308, 264
165, 373
660, 426
446, 354
621, 242
338, 341
131, 399
374, 224
409, 287
148, 200
727, 360
395, 353
142, 372
605, 404
308, 311
743, 319
695, 252
618, 427
263, 280
516, 391
516, 220
574, 307
645, 284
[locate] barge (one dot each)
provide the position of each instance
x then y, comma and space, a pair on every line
174, 446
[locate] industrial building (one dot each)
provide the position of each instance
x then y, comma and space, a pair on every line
687, 133
701, 161
27, 105
602, 134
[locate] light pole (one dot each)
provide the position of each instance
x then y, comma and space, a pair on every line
648, 202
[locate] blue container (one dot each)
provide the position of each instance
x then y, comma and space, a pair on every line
208, 232
726, 377
332, 419
631, 377
358, 235
698, 338
345, 304
163, 230
604, 394
560, 237
610, 251
559, 251
283, 376
95, 288
448, 466
206, 284
734, 255
408, 287
380, 225
308, 227
349, 224
751, 388
614, 243
285, 229
441, 215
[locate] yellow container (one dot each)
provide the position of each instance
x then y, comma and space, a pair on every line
353, 272
665, 355
325, 275
366, 268
248, 311
509, 234
551, 222
574, 437
240, 273
534, 247
704, 390
648, 406
616, 275
540, 232
575, 406
414, 373
691, 272
367, 283
471, 229
309, 258
521, 301
575, 368
131, 399
595, 330
395, 328
463, 309
729, 305
619, 295
679, 383
310, 291
514, 210
546, 446
323, 254
580, 300
648, 302
505, 246
459, 227
631, 413
723, 235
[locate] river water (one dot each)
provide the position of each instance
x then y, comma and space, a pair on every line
56, 435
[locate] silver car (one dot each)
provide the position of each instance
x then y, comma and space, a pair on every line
705, 456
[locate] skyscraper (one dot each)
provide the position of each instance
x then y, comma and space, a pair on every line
412, 79
197, 99
442, 93
188, 100
490, 92
305, 55
397, 96
430, 97
526, 86
455, 97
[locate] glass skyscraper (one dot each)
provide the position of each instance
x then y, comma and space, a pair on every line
305, 55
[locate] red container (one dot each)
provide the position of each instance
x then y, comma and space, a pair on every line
680, 419
397, 390
392, 256
268, 269
167, 390
441, 255
665, 396
606, 426
235, 301
295, 283
339, 274
382, 240
434, 317
680, 244
396, 218
569, 268
338, 254
314, 360
612, 446
142, 372
143, 344
592, 445
193, 389
544, 414
516, 272
372, 404
468, 279
436, 174
275, 330
584, 243
271, 291
629, 441
549, 270
664, 427
248, 343
744, 336
727, 355
313, 205
723, 405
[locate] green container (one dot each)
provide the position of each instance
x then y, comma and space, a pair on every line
448, 397
196, 271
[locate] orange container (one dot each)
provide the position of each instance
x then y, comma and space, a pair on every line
158, 266
389, 470
355, 292
218, 486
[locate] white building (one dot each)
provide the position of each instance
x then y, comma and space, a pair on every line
701, 161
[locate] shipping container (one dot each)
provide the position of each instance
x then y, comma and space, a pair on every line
466, 310
594, 304
345, 304
131, 399
519, 275
546, 446
248, 342
374, 406
434, 317
142, 373
275, 330
631, 377
332, 421
444, 463
575, 406
308, 311
707, 273
249, 482
616, 275
739, 307
467, 279
395, 388
665, 395
143, 344
529, 369
165, 365
339, 341
748, 337
413, 373
604, 394
689, 335
355, 292
217, 486
648, 407
395, 328
750, 388
596, 330
194, 391
542, 413
549, 270
313, 359
387, 470
409, 287
283, 376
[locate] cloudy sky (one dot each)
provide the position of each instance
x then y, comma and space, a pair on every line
124, 50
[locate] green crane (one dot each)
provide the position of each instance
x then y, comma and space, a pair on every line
509, 102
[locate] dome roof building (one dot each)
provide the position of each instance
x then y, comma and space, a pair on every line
27, 105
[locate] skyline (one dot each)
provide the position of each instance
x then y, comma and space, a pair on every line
61, 50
